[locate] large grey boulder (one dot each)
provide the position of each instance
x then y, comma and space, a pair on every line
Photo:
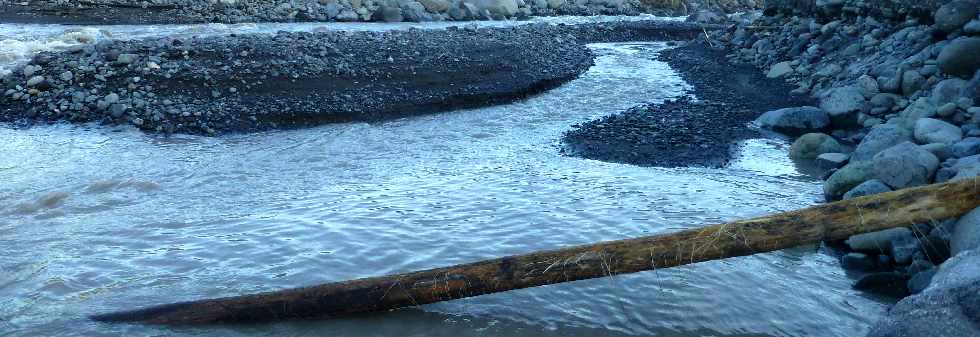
966, 235
387, 14
920, 108
870, 187
948, 307
794, 121
929, 130
811, 145
505, 8
880, 137
846, 178
905, 165
959, 57
878, 242
955, 14
842, 105
413, 11
948, 91
435, 6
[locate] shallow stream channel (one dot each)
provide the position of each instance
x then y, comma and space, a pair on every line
96, 219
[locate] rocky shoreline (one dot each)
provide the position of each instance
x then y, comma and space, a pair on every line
241, 83
239, 11
899, 82
673, 134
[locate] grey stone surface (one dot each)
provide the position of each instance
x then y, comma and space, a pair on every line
846, 178
877, 242
959, 57
811, 145
929, 130
832, 160
878, 139
842, 105
870, 187
905, 165
794, 121
955, 14
966, 235
967, 147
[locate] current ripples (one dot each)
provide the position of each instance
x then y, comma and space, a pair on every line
97, 219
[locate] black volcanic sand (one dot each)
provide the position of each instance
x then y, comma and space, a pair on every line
686, 132
255, 82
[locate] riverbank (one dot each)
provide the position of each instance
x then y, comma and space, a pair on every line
674, 133
237, 11
899, 81
241, 83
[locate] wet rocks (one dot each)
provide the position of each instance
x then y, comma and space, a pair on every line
811, 145
794, 121
959, 57
846, 178
955, 14
842, 105
929, 130
905, 165
870, 187
966, 234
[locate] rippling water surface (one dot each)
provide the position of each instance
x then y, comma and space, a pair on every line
94, 219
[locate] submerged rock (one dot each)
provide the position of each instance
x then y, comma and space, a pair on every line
811, 145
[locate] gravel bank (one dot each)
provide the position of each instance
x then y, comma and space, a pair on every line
256, 82
686, 132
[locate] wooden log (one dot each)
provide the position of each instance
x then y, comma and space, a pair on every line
833, 221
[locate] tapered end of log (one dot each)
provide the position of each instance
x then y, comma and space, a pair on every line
184, 312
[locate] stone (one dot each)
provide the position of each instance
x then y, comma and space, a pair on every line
868, 86
912, 81
505, 8
780, 69
555, 4
126, 58
830, 161
870, 187
919, 281
435, 6
846, 178
413, 11
794, 121
948, 91
880, 137
905, 165
959, 57
921, 108
903, 248
947, 307
66, 76
877, 242
35, 81
929, 130
388, 14
966, 147
881, 281
857, 261
842, 105
935, 248
955, 14
972, 27
811, 145
966, 233
946, 110
940, 150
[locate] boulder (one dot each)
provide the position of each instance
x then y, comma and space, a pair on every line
959, 57
387, 14
948, 91
955, 14
881, 281
435, 6
857, 261
967, 147
928, 130
905, 165
780, 69
880, 137
504, 8
811, 145
912, 81
842, 105
879, 242
846, 178
794, 121
919, 281
831, 160
966, 233
921, 108
940, 150
413, 11
870, 187
948, 307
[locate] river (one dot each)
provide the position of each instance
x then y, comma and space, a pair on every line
96, 219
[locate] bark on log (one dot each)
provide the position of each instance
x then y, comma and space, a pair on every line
833, 221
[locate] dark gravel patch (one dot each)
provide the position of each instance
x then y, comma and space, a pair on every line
257, 82
686, 132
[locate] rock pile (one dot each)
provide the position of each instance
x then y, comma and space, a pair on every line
234, 11
899, 81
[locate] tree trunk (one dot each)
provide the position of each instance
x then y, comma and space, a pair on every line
833, 221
